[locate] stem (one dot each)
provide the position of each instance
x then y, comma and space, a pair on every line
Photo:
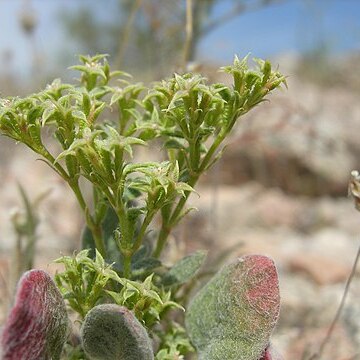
177, 211
189, 31
124, 39
193, 180
149, 216
161, 241
73, 182
125, 242
194, 155
74, 185
95, 228
167, 226
127, 266
122, 216
215, 145
96, 231
55, 165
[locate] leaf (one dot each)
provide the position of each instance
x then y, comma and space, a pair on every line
173, 143
146, 264
185, 269
77, 114
183, 187
135, 114
139, 167
38, 325
234, 314
112, 332
117, 95
146, 133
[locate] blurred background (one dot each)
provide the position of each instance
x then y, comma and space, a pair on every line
281, 186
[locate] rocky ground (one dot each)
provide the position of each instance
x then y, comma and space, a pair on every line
280, 190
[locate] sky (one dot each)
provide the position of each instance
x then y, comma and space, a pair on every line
290, 26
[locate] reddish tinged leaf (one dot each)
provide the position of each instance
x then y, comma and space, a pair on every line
37, 326
232, 317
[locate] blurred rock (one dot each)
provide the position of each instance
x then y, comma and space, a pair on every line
321, 270
274, 208
308, 341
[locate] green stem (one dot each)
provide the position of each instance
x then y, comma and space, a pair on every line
55, 165
95, 228
122, 216
74, 185
167, 225
179, 207
149, 216
97, 234
213, 148
127, 265
194, 154
161, 241
73, 182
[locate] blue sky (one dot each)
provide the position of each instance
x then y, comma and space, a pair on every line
290, 26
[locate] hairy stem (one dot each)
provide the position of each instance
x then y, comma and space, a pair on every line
75, 187
97, 234
127, 265
92, 225
161, 241
149, 216
168, 225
